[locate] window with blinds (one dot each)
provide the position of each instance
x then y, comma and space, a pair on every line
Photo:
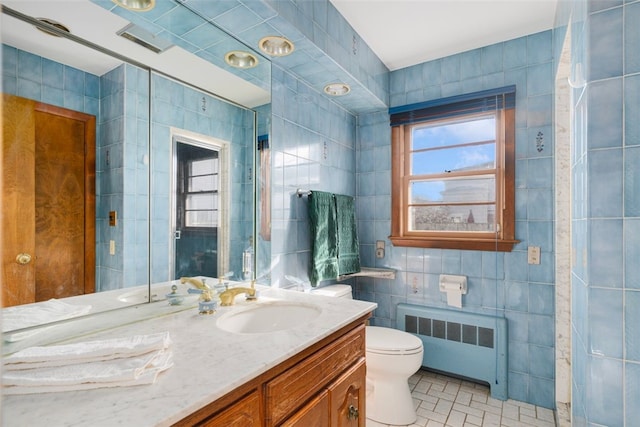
453, 169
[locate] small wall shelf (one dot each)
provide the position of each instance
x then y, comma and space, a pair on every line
378, 273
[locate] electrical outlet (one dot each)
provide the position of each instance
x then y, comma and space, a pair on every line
379, 253
112, 247
533, 254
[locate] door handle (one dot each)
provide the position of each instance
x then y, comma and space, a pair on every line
23, 259
353, 413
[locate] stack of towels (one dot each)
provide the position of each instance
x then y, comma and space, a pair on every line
118, 362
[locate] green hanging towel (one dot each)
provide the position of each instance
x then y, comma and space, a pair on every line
324, 245
348, 248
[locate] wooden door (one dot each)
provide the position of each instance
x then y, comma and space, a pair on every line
18, 200
49, 179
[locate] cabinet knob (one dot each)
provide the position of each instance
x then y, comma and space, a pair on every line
353, 413
23, 259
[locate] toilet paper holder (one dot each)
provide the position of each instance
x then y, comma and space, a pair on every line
449, 282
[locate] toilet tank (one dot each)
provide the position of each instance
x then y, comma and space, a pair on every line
338, 291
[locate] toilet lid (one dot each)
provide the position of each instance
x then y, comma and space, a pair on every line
388, 340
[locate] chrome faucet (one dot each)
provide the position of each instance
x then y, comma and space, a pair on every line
227, 296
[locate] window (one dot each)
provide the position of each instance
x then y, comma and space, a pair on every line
453, 172
198, 188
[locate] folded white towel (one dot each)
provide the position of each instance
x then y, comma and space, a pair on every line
19, 317
145, 377
89, 351
125, 369
118, 362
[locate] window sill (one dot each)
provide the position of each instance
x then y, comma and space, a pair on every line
452, 243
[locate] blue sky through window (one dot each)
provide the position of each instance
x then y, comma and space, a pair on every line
446, 151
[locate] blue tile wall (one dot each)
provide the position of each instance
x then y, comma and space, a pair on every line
30, 76
177, 105
500, 284
122, 178
135, 210
606, 242
110, 177
313, 148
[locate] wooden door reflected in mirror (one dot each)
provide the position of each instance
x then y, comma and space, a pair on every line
48, 201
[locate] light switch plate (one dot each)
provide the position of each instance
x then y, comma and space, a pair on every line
112, 247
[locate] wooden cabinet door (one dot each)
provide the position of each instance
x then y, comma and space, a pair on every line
244, 413
313, 414
347, 397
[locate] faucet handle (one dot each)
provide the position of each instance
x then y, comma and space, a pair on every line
252, 295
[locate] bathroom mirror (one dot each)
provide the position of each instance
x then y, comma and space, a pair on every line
168, 129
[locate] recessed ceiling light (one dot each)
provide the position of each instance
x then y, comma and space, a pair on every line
241, 59
337, 89
275, 46
53, 23
136, 5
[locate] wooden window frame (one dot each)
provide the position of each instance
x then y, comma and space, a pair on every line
502, 240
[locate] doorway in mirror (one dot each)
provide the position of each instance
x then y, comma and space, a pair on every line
199, 206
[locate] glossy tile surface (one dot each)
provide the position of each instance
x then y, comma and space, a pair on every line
444, 401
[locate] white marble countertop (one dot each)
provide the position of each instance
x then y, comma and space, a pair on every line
209, 362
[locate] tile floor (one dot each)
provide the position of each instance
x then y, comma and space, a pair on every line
444, 401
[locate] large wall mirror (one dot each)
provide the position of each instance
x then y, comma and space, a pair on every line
129, 150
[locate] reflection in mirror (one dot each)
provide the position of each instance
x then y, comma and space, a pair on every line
64, 167
138, 115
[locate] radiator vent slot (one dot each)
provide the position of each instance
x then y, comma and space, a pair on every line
452, 331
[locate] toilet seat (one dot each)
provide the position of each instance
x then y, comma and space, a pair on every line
389, 341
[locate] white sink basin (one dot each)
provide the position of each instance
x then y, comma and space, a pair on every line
137, 296
268, 316
140, 295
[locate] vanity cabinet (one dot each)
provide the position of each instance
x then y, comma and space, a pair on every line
322, 386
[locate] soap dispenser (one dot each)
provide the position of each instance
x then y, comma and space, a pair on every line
247, 261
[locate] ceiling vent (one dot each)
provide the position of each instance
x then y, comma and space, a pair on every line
144, 38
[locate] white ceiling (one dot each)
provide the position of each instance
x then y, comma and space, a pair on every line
407, 32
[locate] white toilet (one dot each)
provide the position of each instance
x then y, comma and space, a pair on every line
392, 357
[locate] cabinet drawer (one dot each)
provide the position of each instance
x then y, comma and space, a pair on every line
298, 384
243, 413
